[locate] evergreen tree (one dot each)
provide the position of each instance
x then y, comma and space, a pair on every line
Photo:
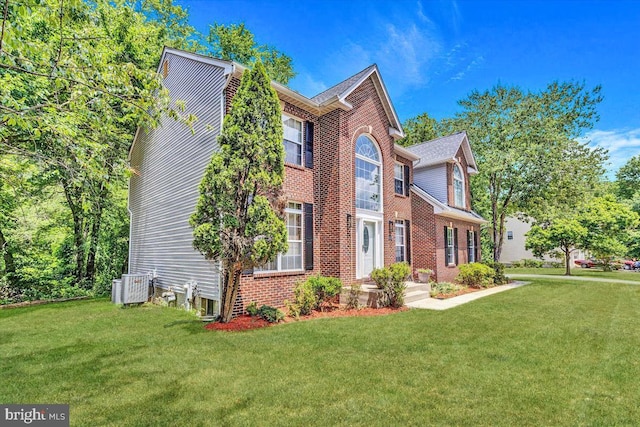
239, 216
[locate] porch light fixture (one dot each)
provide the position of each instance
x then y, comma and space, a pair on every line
349, 221
391, 230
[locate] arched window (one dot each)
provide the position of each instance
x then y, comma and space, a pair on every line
368, 177
458, 187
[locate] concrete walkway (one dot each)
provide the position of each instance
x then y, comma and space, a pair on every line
445, 304
580, 278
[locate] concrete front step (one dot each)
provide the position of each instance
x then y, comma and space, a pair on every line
369, 297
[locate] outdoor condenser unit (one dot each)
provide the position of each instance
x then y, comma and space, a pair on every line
135, 288
116, 291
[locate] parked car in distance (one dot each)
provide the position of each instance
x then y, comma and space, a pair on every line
584, 263
628, 265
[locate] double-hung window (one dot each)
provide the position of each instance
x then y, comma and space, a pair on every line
401, 241
292, 140
450, 246
458, 187
398, 178
292, 260
471, 245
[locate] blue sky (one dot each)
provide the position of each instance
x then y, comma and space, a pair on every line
432, 53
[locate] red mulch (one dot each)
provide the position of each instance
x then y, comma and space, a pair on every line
246, 322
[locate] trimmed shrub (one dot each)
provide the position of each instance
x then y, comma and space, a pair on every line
476, 275
533, 263
324, 288
392, 282
304, 300
381, 277
517, 264
270, 314
252, 309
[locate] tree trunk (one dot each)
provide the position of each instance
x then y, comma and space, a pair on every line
567, 260
7, 256
231, 284
78, 230
95, 234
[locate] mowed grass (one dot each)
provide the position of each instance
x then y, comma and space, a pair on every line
579, 272
550, 353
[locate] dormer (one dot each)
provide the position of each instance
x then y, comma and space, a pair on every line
444, 168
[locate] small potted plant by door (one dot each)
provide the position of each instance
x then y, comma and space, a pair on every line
424, 274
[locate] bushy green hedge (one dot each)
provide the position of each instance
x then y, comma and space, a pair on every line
476, 275
304, 300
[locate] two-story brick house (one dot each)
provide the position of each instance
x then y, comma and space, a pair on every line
347, 182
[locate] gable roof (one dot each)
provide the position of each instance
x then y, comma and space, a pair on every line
339, 92
445, 210
342, 87
444, 149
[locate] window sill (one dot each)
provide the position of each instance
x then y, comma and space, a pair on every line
452, 265
265, 274
400, 195
294, 166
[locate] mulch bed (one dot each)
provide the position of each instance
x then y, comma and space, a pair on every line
246, 322
458, 293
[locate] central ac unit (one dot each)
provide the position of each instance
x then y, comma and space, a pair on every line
135, 288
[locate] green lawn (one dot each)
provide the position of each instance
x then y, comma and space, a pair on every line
587, 272
550, 353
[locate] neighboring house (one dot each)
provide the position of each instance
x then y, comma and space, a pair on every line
348, 184
513, 246
446, 230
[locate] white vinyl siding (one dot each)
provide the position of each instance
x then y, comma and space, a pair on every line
168, 163
433, 180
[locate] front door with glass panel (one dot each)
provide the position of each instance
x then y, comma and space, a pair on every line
368, 249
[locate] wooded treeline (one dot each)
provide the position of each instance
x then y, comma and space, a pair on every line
76, 80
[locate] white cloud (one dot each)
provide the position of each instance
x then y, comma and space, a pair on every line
308, 85
622, 144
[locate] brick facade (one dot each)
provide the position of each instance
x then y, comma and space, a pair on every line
330, 187
445, 272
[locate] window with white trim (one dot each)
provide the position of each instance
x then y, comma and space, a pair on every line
368, 166
458, 187
292, 260
450, 247
471, 245
398, 178
509, 235
401, 241
292, 140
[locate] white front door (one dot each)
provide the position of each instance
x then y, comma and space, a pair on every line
368, 247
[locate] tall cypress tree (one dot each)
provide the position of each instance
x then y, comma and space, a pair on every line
239, 217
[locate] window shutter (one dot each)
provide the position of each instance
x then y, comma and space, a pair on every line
308, 144
406, 180
455, 244
407, 239
468, 246
308, 236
